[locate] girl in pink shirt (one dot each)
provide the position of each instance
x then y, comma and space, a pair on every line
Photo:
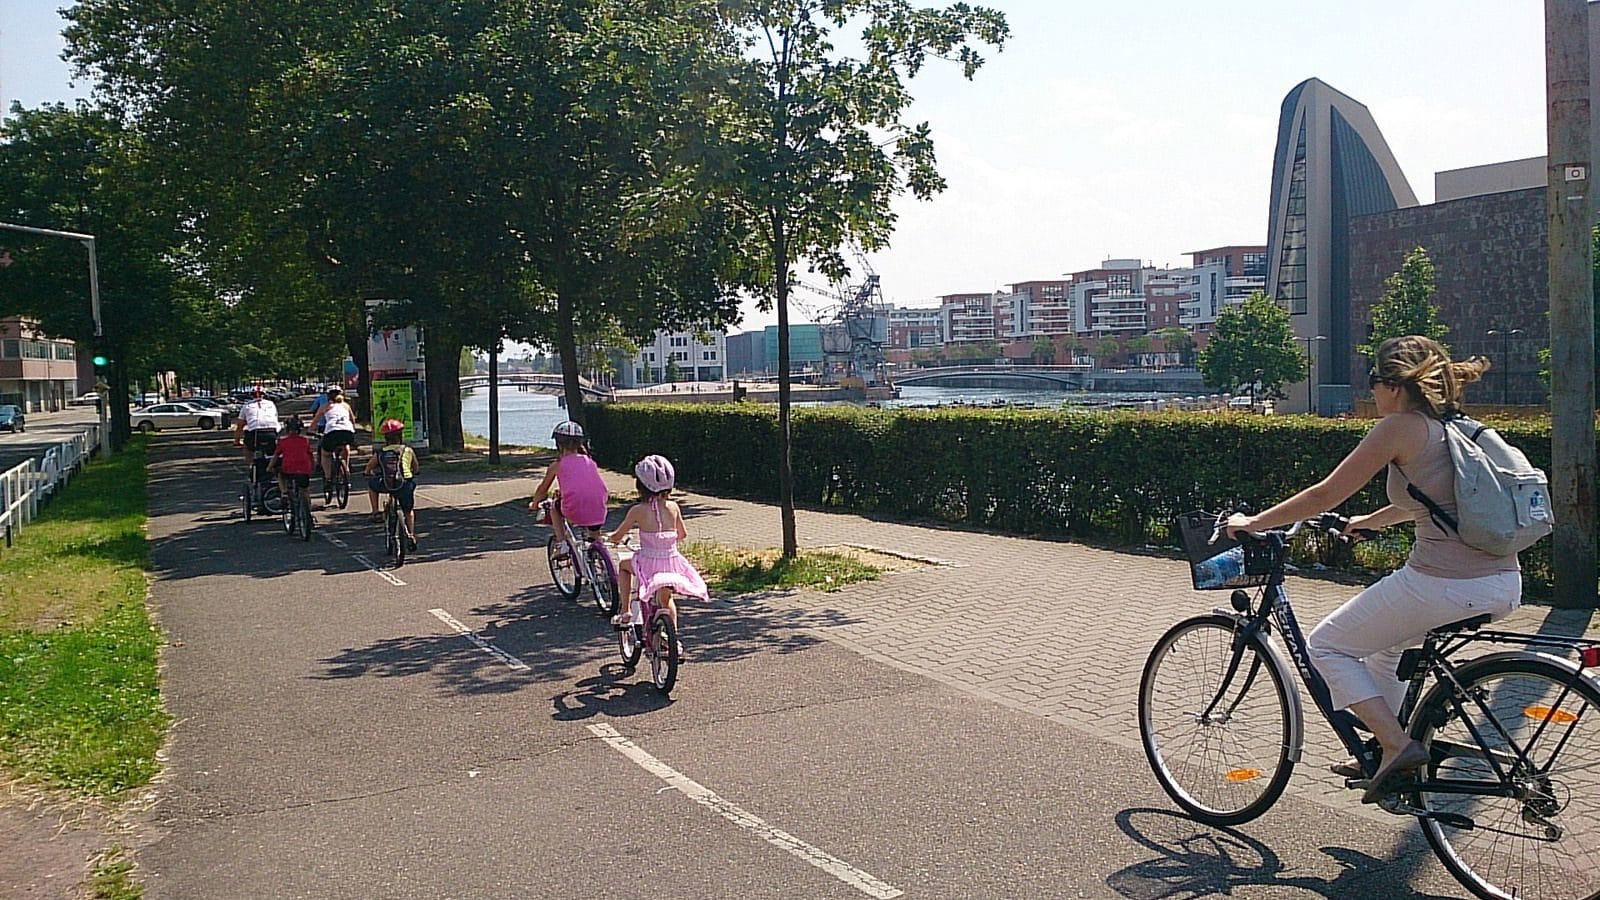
583, 492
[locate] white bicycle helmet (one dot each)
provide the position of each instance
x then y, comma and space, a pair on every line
568, 429
655, 473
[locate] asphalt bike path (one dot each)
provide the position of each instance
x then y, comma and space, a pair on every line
454, 728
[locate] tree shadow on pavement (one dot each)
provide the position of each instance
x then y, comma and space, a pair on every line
566, 640
1198, 860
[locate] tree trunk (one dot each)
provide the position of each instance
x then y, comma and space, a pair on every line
355, 340
567, 349
442, 365
494, 403
791, 547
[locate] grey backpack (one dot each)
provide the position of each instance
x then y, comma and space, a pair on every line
1502, 500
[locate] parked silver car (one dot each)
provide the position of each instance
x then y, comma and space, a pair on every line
174, 415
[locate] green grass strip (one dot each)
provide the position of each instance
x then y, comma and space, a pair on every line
742, 571
80, 701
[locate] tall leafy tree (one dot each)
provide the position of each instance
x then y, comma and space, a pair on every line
1253, 337
824, 148
83, 170
1177, 339
1406, 306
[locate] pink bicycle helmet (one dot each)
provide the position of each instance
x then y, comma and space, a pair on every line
655, 473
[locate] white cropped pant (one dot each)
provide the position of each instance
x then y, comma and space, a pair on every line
1357, 647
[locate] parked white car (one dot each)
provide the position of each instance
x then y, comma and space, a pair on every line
174, 415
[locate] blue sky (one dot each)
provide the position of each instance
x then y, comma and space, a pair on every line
1145, 130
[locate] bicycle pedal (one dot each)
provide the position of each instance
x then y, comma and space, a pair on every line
1357, 784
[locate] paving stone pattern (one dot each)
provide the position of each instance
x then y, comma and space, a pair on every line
1054, 629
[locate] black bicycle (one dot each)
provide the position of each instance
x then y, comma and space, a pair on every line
397, 536
1509, 799
297, 509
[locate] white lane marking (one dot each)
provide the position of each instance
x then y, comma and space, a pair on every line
482, 644
783, 840
376, 569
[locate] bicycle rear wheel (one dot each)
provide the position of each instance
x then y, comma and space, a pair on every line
662, 637
342, 489
249, 502
563, 567
604, 585
1543, 842
303, 500
1216, 726
290, 510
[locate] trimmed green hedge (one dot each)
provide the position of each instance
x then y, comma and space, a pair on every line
1117, 477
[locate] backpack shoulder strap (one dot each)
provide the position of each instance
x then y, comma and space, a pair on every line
1441, 519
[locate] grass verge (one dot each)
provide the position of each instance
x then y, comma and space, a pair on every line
728, 570
80, 701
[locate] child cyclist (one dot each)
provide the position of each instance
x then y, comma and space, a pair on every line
393, 470
292, 458
660, 569
583, 493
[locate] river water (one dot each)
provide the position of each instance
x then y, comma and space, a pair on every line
528, 418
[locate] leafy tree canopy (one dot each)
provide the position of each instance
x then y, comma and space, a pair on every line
1406, 306
1253, 337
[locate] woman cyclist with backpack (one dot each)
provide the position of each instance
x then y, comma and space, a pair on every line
393, 470
1416, 387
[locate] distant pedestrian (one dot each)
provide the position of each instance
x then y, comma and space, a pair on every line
661, 570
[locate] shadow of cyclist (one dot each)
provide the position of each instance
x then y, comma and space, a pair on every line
616, 692
1198, 860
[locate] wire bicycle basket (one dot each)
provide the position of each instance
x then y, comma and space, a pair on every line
1203, 539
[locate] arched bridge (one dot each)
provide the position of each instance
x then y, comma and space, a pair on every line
534, 381
1069, 377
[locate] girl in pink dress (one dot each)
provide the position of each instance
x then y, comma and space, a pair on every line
660, 569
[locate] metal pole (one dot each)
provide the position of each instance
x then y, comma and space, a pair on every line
103, 447
1569, 223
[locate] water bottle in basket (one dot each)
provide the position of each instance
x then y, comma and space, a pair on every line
1220, 569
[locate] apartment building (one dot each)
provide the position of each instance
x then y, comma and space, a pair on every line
968, 318
37, 372
697, 356
1041, 308
915, 327
1222, 276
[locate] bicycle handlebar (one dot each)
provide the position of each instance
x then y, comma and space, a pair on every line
1331, 522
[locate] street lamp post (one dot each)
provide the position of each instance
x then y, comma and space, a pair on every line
1505, 355
1311, 400
94, 309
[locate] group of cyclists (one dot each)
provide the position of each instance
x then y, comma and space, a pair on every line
391, 470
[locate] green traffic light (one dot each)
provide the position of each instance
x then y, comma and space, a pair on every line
100, 361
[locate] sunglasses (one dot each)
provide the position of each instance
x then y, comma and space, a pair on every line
1374, 379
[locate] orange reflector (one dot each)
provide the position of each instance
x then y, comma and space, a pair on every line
1242, 774
1558, 716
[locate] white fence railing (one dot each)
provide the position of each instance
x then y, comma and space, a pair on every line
26, 484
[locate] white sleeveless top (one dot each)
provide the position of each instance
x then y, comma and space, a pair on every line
337, 418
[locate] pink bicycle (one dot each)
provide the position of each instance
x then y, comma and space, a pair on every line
651, 633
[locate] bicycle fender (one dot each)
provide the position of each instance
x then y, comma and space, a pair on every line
1279, 660
1466, 670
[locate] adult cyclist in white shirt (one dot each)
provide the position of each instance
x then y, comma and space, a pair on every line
338, 421
256, 428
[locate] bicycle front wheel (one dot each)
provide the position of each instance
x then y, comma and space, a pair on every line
1215, 721
604, 583
1533, 726
563, 567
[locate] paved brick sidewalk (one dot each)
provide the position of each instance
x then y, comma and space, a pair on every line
1053, 629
